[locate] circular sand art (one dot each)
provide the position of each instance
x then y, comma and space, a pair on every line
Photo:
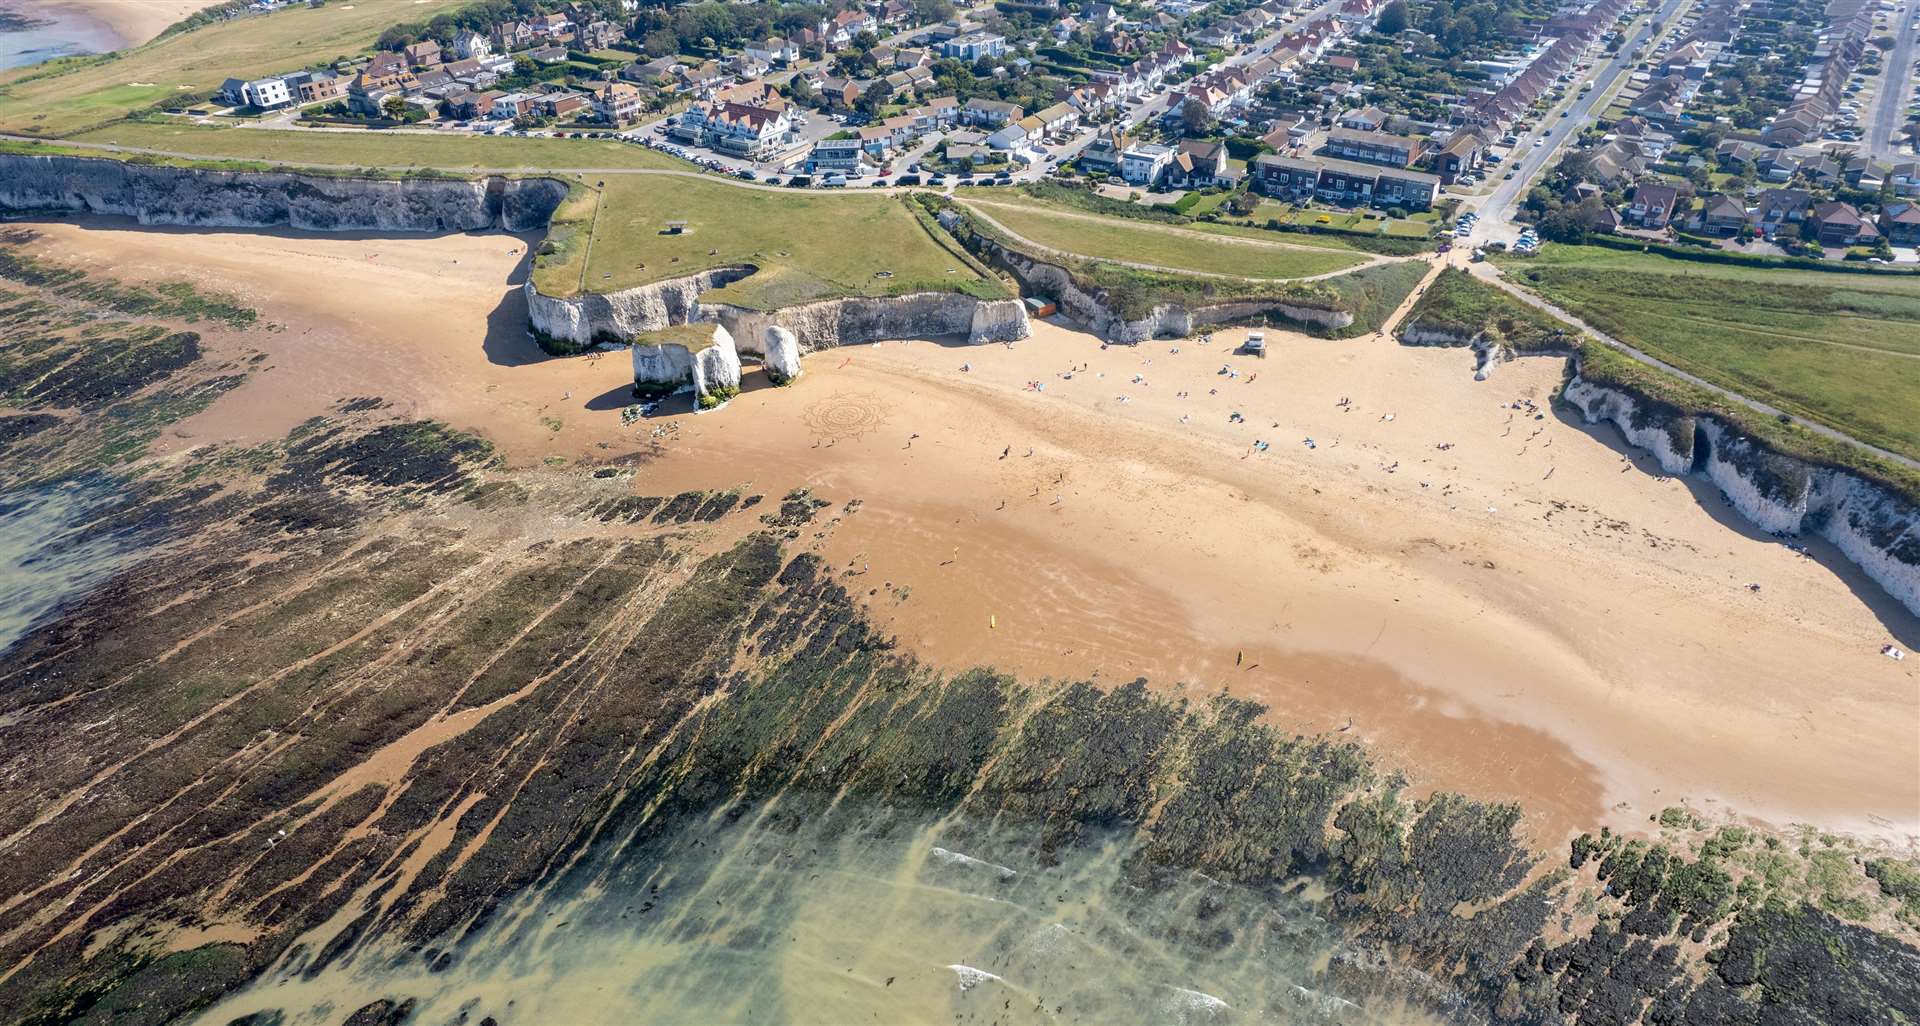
845, 415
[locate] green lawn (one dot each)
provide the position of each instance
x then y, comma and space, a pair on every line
806, 245
1458, 302
59, 99
1162, 245
1840, 349
453, 152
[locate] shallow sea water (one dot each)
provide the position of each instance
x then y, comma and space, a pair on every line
736, 919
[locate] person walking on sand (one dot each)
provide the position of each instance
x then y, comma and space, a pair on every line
1006, 451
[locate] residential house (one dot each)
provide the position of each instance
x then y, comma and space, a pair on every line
842, 27
509, 106
974, 46
836, 155
1343, 182
1905, 179
552, 53
1197, 164
746, 130
469, 45
599, 35
1460, 156
1900, 223
777, 51
264, 93
617, 103
1838, 225
840, 92
512, 35
1100, 15
1652, 205
1720, 214
1410, 190
474, 106
565, 105
1366, 119
555, 26
315, 86
650, 73
1777, 207
1102, 155
1059, 119
1015, 134
424, 54
1143, 164
1372, 147
368, 100
990, 113
703, 80
387, 70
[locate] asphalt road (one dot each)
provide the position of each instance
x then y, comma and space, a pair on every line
1896, 79
1497, 210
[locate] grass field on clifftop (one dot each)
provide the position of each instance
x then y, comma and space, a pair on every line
1168, 246
66, 97
423, 149
1839, 349
806, 245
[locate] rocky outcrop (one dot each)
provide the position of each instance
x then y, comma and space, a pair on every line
619, 316
161, 195
1100, 314
839, 322
1874, 526
780, 354
661, 366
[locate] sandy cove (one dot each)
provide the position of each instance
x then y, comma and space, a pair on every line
134, 22
1522, 615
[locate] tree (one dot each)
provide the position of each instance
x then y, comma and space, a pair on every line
1393, 18
1195, 120
927, 12
394, 107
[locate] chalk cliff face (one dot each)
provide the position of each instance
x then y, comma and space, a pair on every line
1096, 311
1872, 525
246, 199
618, 316
672, 365
838, 322
780, 351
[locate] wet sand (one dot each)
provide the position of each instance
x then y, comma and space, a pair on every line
1523, 615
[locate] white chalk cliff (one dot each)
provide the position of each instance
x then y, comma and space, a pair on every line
670, 365
1874, 526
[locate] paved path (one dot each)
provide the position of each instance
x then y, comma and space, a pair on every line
1895, 82
1491, 274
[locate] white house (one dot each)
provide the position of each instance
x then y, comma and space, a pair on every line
470, 45
1144, 163
265, 93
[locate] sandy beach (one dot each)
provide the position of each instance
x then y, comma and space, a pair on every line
133, 22
1493, 597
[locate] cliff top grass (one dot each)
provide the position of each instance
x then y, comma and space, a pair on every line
1099, 237
693, 337
1838, 349
62, 97
1459, 303
419, 149
804, 246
